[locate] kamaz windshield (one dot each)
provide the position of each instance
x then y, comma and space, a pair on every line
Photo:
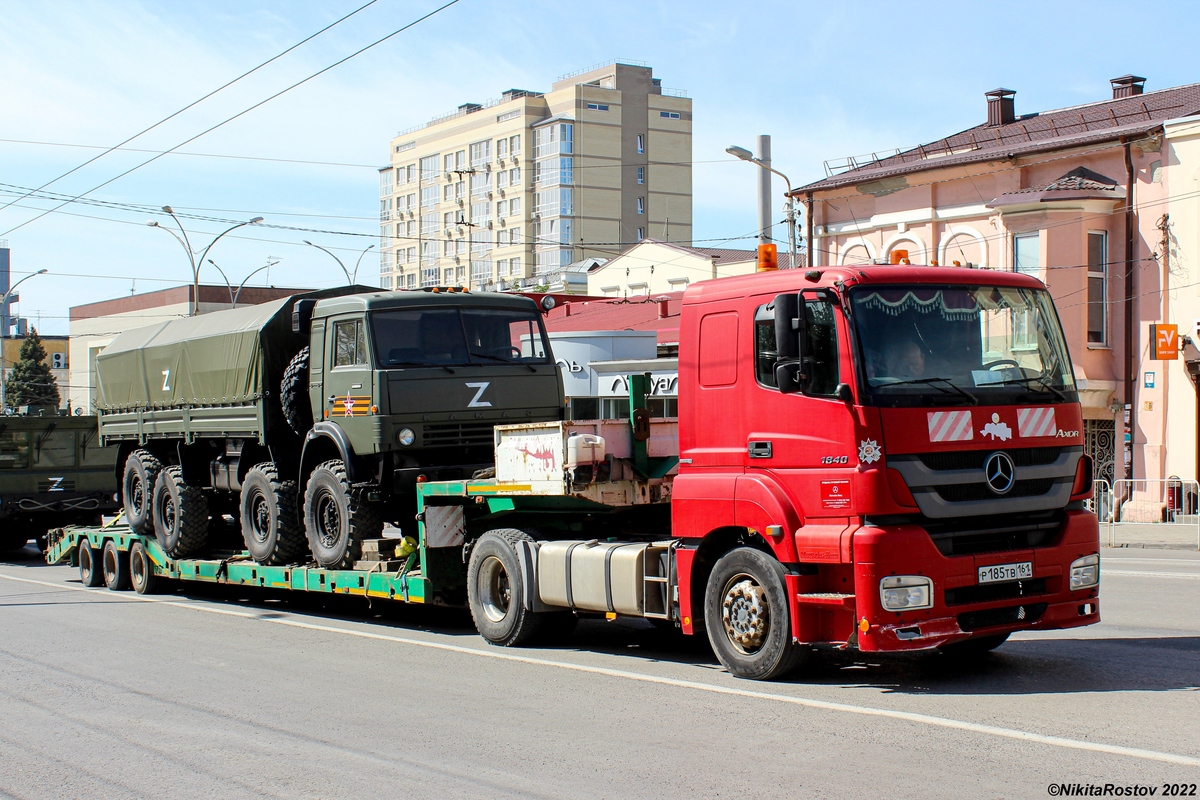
447, 337
929, 345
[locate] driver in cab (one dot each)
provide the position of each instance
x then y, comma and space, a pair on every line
906, 360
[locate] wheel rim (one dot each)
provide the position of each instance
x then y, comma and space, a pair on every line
85, 562
260, 517
495, 592
137, 494
167, 511
329, 520
110, 565
137, 569
745, 613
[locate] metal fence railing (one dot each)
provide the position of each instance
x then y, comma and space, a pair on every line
1159, 512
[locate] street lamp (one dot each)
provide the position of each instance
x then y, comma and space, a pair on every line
4, 335
790, 210
349, 280
234, 295
187, 246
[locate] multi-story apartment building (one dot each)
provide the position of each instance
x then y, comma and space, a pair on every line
494, 194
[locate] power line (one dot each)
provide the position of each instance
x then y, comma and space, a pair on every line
195, 103
245, 111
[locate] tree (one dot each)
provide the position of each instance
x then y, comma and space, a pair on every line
30, 381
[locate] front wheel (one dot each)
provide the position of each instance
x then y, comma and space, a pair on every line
337, 517
746, 614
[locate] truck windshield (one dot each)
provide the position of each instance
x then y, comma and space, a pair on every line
435, 337
923, 345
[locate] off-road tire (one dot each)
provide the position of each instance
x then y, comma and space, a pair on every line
338, 516
91, 573
773, 653
495, 587
115, 566
975, 647
137, 490
293, 394
15, 540
269, 518
180, 514
141, 570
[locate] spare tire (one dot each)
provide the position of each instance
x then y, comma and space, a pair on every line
293, 394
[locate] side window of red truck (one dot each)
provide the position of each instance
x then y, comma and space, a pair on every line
822, 347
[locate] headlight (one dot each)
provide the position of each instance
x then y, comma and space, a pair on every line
406, 436
906, 592
1085, 572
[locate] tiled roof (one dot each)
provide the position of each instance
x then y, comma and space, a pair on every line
1032, 133
1080, 183
641, 314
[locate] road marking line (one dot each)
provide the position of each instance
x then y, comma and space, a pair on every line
1139, 573
823, 705
1191, 562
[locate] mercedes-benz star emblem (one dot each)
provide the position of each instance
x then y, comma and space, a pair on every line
999, 473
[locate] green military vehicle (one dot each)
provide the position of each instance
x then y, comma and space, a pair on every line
311, 419
53, 472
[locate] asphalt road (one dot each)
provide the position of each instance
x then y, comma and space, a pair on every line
222, 692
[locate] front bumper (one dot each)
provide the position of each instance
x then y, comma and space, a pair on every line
961, 608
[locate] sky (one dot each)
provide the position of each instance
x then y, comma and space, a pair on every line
824, 80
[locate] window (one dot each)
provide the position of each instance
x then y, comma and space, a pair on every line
400, 148
822, 347
411, 255
481, 213
410, 280
502, 267
514, 145
502, 148
481, 184
349, 343
385, 282
514, 206
641, 205
385, 183
507, 115
401, 176
448, 219
410, 229
501, 238
448, 276
481, 270
410, 201
429, 196
514, 235
598, 106
553, 202
1027, 253
385, 261
641, 234
641, 143
460, 159
1097, 300
481, 154
514, 265
501, 179
514, 176
669, 114
551, 140
481, 242
429, 253
448, 192
501, 207
429, 168
460, 188
448, 162
460, 247
447, 248
641, 173
429, 224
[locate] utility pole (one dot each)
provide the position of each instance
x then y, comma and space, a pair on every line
764, 189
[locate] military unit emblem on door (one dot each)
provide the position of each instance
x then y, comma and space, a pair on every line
353, 405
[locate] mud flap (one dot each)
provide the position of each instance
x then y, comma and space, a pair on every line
527, 555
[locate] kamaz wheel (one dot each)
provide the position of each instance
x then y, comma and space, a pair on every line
116, 567
746, 613
141, 570
180, 515
137, 490
337, 517
495, 587
293, 394
90, 572
270, 520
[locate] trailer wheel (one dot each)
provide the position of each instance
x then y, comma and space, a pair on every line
337, 517
746, 613
180, 514
141, 570
90, 572
14, 541
293, 394
494, 589
137, 490
116, 567
270, 521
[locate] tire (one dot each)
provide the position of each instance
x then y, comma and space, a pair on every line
269, 519
495, 587
13, 541
293, 394
337, 517
746, 614
90, 572
141, 570
975, 647
115, 566
137, 490
180, 514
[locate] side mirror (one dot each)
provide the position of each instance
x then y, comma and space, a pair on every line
787, 320
789, 378
842, 392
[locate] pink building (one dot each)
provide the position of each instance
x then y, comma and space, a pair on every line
1073, 196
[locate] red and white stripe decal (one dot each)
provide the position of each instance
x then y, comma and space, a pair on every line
1034, 422
950, 426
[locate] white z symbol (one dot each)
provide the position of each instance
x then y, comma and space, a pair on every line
166, 380
55, 485
475, 401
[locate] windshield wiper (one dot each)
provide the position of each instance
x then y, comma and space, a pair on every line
972, 399
1059, 392
391, 364
504, 360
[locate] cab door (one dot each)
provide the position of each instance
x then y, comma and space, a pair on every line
349, 380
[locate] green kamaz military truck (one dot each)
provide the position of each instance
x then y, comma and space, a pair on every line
53, 472
311, 419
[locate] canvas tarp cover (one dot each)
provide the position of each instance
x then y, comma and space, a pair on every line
211, 359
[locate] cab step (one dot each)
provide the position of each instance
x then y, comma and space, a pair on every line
826, 599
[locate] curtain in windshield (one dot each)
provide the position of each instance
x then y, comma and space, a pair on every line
450, 336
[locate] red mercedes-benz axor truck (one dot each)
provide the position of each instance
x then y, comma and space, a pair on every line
886, 458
